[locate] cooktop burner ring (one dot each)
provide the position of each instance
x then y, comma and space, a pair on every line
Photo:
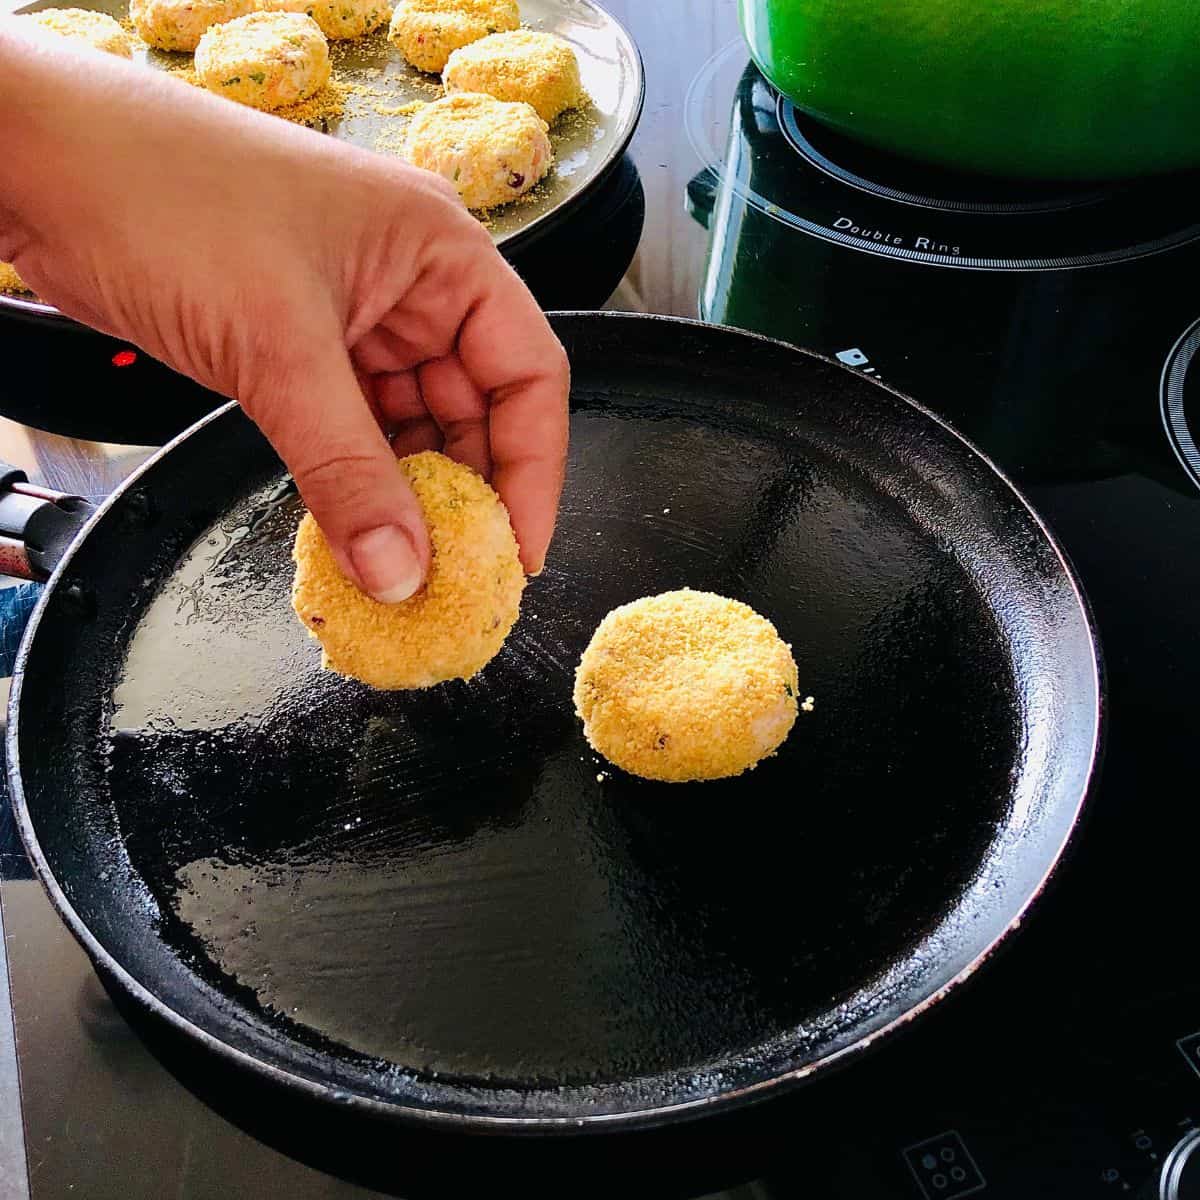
1182, 431
792, 120
752, 160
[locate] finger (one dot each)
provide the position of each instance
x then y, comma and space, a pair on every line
412, 437
312, 410
398, 398
404, 414
460, 410
366, 385
381, 349
513, 358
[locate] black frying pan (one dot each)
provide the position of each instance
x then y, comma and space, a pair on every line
430, 905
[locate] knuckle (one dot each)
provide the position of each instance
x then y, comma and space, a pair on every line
462, 429
265, 374
341, 483
337, 469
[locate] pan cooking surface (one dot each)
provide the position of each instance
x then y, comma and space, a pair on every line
441, 880
445, 899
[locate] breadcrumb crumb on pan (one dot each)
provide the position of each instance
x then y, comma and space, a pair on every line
456, 624
686, 686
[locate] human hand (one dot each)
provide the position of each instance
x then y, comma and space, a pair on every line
341, 297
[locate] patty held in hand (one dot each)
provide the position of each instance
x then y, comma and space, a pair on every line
454, 626
686, 686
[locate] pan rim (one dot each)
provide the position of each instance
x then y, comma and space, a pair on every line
637, 1118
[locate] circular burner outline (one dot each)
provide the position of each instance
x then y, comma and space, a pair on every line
1172, 390
714, 163
789, 122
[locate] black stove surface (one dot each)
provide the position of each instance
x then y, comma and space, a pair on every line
1058, 329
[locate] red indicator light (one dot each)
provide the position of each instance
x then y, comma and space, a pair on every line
124, 358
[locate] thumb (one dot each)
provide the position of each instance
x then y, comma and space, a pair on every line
315, 415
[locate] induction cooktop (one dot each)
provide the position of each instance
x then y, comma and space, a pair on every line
1058, 328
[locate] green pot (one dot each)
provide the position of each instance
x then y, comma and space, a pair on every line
1039, 89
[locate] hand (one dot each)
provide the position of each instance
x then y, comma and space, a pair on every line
342, 297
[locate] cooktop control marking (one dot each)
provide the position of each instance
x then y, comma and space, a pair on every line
854, 357
944, 1168
1189, 1047
887, 237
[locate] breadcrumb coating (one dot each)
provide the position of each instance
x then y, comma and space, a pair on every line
339, 20
492, 151
427, 32
10, 281
686, 686
95, 29
180, 24
456, 624
266, 60
539, 69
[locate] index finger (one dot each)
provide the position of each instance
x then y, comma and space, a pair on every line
510, 352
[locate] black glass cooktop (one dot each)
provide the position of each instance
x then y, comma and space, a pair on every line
1058, 327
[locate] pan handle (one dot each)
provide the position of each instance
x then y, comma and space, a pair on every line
36, 525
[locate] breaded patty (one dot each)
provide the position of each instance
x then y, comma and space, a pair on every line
339, 19
491, 150
267, 60
10, 281
686, 686
427, 32
95, 29
180, 24
450, 629
538, 68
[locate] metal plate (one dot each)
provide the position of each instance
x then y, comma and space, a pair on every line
587, 143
